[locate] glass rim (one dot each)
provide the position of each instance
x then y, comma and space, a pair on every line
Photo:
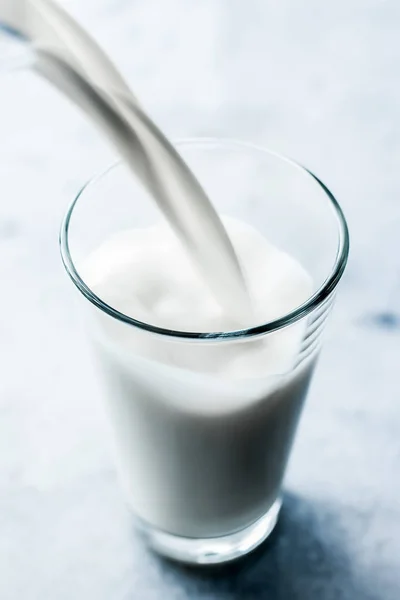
304, 309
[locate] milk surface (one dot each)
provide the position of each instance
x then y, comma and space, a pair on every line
202, 430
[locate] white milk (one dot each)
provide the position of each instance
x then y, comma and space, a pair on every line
202, 430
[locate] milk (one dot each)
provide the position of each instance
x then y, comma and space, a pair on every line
67, 57
202, 430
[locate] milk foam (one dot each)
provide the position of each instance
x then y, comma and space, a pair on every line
146, 275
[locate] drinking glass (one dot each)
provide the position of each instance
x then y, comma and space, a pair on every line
202, 454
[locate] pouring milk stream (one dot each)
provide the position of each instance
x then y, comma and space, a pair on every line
73, 62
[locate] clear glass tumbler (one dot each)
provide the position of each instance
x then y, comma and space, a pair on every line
202, 456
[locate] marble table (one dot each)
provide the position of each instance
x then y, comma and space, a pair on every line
317, 81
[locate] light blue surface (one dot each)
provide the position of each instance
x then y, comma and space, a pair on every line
317, 81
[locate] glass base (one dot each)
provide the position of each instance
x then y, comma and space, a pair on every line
211, 551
